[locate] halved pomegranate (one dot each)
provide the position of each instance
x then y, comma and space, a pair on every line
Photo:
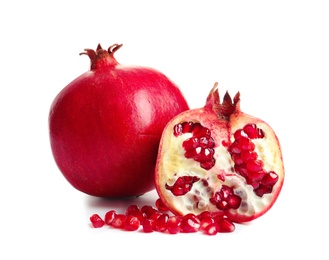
219, 159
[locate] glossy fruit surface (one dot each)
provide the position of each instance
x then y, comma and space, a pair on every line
105, 126
219, 159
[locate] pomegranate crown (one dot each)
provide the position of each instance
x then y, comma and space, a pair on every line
227, 107
102, 57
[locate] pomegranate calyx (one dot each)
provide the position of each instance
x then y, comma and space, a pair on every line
101, 57
228, 106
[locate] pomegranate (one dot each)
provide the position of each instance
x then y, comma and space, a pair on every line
219, 159
105, 126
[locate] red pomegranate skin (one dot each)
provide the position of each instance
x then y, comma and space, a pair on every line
105, 126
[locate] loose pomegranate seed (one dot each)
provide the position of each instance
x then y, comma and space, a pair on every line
119, 221
161, 223
132, 223
224, 225
132, 209
182, 185
174, 224
211, 229
148, 210
206, 221
148, 225
190, 223
110, 216
96, 221
160, 205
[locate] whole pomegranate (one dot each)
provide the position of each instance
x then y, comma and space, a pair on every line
105, 126
219, 159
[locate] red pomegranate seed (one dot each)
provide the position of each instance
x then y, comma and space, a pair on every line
246, 144
148, 210
109, 217
261, 190
211, 229
161, 223
270, 179
174, 224
131, 210
96, 221
206, 221
182, 185
224, 225
246, 155
160, 205
148, 225
251, 130
254, 166
204, 214
190, 223
119, 221
132, 223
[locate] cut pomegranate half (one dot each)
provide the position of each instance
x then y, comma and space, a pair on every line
219, 159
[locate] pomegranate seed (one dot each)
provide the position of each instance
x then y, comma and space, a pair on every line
224, 225
270, 179
239, 133
225, 199
132, 209
187, 127
204, 214
190, 223
191, 143
256, 176
248, 155
237, 159
211, 229
201, 132
195, 128
96, 221
148, 210
161, 223
148, 225
132, 223
182, 185
206, 221
160, 205
119, 221
251, 130
174, 224
254, 166
155, 215
109, 217
178, 129
246, 144
261, 190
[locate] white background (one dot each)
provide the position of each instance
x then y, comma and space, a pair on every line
276, 53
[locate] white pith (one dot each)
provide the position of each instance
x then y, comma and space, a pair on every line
174, 165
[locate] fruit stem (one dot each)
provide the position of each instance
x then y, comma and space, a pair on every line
100, 57
227, 107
